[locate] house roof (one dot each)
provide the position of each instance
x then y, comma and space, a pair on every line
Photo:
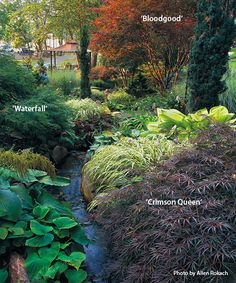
69, 46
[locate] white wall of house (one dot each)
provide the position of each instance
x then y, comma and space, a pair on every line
52, 41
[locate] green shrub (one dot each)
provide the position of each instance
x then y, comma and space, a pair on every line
30, 129
149, 242
147, 104
16, 81
87, 109
65, 81
37, 226
174, 123
228, 98
102, 84
117, 165
98, 95
140, 86
175, 98
120, 100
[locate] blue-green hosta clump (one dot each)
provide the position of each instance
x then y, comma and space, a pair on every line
173, 123
39, 227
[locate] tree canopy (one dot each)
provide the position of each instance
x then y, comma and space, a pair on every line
163, 47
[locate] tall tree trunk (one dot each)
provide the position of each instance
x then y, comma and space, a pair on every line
94, 59
84, 63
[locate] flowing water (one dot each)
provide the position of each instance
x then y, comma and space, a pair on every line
96, 253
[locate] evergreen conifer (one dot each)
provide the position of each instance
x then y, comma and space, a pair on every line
214, 34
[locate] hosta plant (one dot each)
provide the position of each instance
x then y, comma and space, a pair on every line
133, 126
175, 124
37, 226
104, 139
160, 243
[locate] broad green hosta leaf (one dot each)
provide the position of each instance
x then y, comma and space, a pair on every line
57, 268
28, 234
58, 181
172, 122
3, 233
21, 224
46, 199
26, 217
35, 264
12, 175
16, 231
37, 173
3, 275
40, 241
8, 174
220, 114
10, 205
75, 259
39, 229
153, 126
19, 230
41, 211
65, 223
170, 114
78, 235
77, 276
4, 183
62, 233
199, 115
23, 194
52, 215
50, 253
65, 245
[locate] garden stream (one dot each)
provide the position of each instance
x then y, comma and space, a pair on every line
96, 253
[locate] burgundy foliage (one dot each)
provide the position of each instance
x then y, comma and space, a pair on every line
148, 243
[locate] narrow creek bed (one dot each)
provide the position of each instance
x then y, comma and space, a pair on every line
96, 253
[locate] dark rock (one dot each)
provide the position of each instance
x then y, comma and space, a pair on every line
59, 153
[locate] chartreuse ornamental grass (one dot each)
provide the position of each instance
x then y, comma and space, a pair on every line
119, 165
87, 109
34, 224
26, 159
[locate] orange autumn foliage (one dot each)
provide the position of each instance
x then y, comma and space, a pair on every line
122, 36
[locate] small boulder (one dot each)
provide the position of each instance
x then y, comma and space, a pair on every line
87, 189
17, 271
59, 153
